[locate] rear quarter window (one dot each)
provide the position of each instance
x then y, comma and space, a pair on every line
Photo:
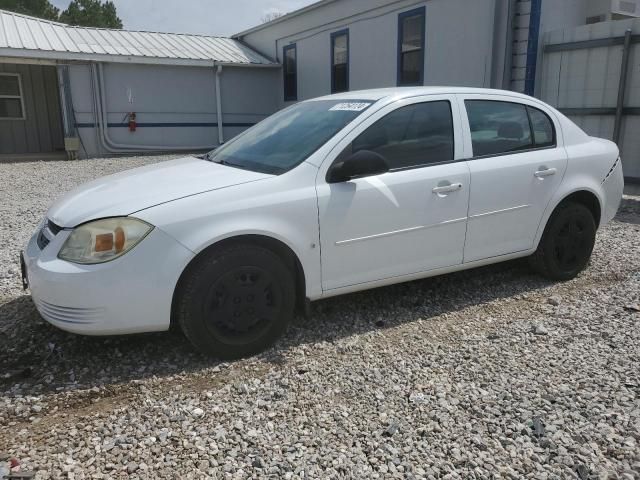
544, 133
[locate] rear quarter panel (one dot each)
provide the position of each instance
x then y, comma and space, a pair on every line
589, 161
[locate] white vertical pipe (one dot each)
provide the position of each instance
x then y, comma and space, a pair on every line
219, 105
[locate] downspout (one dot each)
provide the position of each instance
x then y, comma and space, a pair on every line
219, 105
114, 147
533, 45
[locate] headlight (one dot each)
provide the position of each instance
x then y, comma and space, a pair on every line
103, 240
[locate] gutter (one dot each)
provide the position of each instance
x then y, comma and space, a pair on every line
36, 56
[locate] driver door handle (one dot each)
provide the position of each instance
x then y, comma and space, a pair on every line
454, 187
546, 173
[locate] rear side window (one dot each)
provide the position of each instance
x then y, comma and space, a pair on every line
415, 135
498, 127
504, 127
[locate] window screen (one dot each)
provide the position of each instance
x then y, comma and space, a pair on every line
410, 136
340, 62
10, 97
290, 73
498, 127
411, 32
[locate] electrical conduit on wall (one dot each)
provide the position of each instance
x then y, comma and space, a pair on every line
101, 121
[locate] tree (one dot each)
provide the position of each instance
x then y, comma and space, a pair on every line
271, 16
34, 8
91, 13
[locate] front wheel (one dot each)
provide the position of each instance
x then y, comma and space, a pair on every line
566, 245
236, 301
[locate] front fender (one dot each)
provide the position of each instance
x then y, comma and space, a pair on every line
283, 208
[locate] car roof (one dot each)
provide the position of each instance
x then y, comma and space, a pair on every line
404, 92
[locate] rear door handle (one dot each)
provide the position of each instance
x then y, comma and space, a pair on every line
546, 173
453, 187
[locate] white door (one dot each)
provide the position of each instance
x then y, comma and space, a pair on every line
516, 167
408, 220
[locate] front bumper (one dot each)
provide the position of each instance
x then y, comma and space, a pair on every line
131, 294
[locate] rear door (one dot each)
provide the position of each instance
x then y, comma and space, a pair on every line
516, 165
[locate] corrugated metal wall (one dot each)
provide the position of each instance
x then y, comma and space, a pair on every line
41, 131
588, 78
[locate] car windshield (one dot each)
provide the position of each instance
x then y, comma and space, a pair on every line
286, 139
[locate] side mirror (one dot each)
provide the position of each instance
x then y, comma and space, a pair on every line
364, 163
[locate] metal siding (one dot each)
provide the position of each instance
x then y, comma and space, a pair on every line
585, 81
41, 131
178, 108
373, 33
21, 32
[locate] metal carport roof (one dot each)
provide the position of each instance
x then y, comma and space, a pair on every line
28, 37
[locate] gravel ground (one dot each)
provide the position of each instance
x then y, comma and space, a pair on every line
492, 373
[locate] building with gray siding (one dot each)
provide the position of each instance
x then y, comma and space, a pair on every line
133, 92
29, 109
111, 92
479, 43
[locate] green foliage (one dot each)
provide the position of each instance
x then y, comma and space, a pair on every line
91, 13
34, 8
85, 13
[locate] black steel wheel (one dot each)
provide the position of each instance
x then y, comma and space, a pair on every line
567, 243
236, 301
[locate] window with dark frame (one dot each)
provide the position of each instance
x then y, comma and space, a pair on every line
11, 101
411, 45
340, 61
290, 72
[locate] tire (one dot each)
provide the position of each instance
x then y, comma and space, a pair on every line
566, 244
236, 301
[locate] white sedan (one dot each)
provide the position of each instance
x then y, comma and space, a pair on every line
333, 195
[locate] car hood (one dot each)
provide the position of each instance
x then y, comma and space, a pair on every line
133, 190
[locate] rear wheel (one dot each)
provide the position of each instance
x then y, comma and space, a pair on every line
236, 301
566, 245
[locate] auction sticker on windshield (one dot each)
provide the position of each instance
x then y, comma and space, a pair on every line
350, 107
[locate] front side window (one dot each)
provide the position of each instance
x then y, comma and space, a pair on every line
290, 71
340, 61
498, 127
411, 45
415, 135
11, 102
287, 138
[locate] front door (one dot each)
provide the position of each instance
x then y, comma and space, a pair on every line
515, 170
409, 220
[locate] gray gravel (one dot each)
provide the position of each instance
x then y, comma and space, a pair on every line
493, 373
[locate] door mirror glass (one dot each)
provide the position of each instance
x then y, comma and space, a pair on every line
363, 163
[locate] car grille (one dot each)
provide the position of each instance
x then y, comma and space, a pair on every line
46, 234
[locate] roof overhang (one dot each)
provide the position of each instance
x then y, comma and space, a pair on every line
51, 57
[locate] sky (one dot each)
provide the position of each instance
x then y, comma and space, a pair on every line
206, 17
